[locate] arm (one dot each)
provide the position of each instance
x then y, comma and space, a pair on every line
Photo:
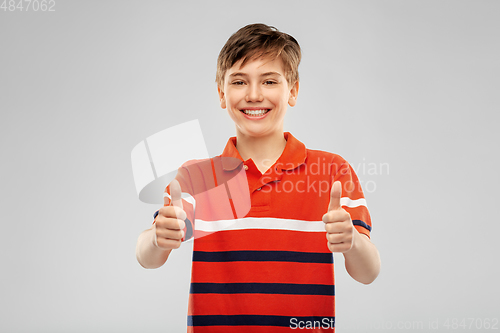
155, 244
362, 261
148, 254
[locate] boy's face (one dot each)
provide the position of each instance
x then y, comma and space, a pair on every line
259, 85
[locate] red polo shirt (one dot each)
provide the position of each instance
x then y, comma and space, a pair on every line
261, 261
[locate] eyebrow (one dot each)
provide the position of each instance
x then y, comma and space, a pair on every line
263, 74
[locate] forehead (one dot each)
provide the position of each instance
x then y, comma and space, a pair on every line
257, 65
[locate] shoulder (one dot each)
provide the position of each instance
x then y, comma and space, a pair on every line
191, 163
314, 155
323, 160
297, 148
195, 168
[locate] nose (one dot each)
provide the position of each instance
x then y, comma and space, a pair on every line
254, 93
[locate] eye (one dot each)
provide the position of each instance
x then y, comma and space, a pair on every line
268, 82
238, 83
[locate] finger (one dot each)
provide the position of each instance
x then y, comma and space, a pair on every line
338, 215
335, 238
333, 228
171, 223
340, 248
169, 243
170, 234
175, 194
335, 196
172, 212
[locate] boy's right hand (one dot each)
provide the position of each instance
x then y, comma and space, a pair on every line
169, 222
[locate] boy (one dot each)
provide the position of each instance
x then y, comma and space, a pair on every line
272, 269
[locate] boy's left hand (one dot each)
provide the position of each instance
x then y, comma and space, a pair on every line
339, 228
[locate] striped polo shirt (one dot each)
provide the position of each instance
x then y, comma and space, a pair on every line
260, 256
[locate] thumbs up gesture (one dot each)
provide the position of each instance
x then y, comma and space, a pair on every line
169, 223
338, 224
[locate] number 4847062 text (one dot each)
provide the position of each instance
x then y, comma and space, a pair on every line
28, 5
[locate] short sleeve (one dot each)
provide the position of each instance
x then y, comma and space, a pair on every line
353, 200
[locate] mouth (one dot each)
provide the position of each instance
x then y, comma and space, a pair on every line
255, 113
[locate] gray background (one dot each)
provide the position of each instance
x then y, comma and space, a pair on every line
407, 91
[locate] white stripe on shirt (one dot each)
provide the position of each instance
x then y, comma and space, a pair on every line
260, 223
346, 201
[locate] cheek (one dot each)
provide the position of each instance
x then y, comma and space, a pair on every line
279, 97
232, 98
231, 113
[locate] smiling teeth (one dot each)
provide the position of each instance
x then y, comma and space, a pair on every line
255, 112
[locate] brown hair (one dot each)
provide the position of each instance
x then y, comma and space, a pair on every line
259, 40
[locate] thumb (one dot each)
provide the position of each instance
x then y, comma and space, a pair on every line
335, 196
175, 194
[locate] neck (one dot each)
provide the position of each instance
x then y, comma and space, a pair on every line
263, 150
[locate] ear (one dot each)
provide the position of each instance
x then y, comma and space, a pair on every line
222, 97
292, 100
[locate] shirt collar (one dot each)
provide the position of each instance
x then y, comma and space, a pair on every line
293, 155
